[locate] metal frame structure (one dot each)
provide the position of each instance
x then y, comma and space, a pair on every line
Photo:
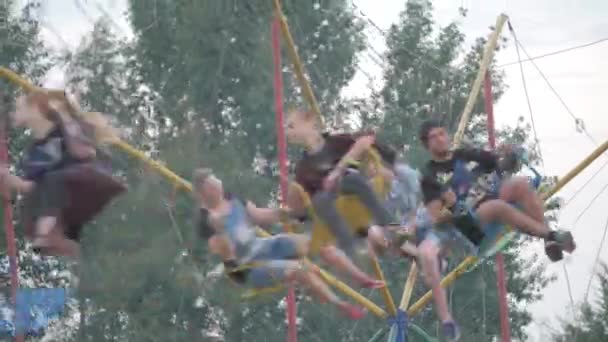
397, 316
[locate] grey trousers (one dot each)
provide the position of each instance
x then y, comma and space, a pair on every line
352, 183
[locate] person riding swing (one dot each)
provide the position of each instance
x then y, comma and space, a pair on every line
228, 224
477, 208
66, 181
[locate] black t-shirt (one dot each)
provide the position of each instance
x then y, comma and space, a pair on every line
312, 168
437, 175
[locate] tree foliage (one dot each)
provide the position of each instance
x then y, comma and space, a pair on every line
591, 323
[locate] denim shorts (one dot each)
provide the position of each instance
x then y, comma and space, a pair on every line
448, 235
275, 254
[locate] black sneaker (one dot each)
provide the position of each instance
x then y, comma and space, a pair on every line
565, 241
559, 242
553, 251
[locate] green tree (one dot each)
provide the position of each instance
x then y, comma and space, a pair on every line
590, 323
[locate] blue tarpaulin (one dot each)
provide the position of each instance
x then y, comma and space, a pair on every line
34, 309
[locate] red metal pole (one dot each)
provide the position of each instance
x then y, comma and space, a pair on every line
292, 329
8, 216
501, 282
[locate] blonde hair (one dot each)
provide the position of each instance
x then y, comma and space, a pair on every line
199, 176
306, 115
47, 101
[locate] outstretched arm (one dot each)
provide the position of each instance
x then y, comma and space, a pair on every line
487, 160
267, 216
355, 152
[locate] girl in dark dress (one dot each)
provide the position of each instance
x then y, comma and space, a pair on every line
64, 179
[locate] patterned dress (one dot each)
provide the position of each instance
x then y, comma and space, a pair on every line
72, 190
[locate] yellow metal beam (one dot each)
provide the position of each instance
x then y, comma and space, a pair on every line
446, 281
296, 62
483, 68
386, 293
576, 170
356, 296
12, 77
408, 288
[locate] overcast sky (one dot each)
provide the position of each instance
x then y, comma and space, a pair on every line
580, 77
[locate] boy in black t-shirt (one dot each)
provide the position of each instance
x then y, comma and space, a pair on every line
438, 193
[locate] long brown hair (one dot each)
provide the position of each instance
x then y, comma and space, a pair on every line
94, 124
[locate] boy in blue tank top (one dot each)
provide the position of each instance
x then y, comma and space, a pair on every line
229, 224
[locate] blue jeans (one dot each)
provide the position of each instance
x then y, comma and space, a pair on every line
276, 254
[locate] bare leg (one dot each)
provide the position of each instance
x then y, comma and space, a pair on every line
517, 190
59, 245
376, 241
322, 291
324, 204
310, 279
51, 240
501, 211
356, 184
338, 259
428, 257
218, 244
409, 249
302, 244
44, 227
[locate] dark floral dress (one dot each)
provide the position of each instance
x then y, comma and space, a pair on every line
72, 190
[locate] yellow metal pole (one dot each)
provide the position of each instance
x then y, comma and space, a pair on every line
483, 68
296, 61
575, 171
12, 77
182, 184
386, 293
449, 279
312, 101
408, 288
342, 287
356, 296
173, 178
452, 276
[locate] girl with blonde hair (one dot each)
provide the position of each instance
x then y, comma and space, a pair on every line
66, 181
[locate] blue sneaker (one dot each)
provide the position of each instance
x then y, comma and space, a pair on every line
451, 331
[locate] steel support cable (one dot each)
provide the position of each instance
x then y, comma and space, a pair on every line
523, 79
553, 53
578, 122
